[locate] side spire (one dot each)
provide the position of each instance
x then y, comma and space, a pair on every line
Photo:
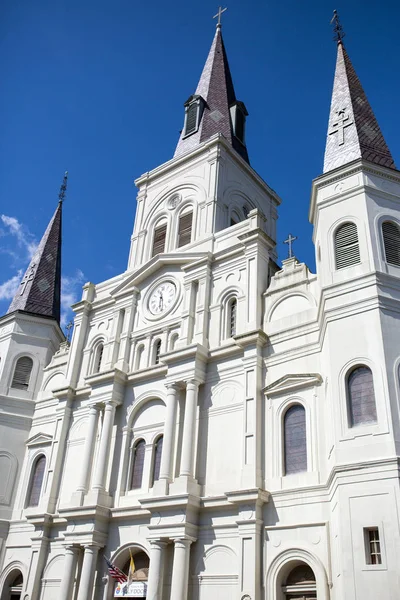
218, 110
353, 130
40, 290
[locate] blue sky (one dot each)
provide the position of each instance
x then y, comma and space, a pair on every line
97, 87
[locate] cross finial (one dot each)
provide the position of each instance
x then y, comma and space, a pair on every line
63, 188
337, 28
68, 327
290, 241
218, 15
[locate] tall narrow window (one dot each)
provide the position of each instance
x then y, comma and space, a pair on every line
22, 373
361, 396
98, 358
157, 459
185, 229
295, 440
139, 358
138, 464
347, 250
37, 476
160, 234
391, 241
373, 554
157, 352
232, 314
191, 118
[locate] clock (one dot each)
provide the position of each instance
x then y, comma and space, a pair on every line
162, 298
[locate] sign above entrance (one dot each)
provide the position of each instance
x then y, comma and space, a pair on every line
137, 589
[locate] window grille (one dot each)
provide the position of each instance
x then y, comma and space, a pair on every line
157, 459
160, 235
157, 352
232, 317
347, 250
372, 546
138, 465
185, 229
295, 440
361, 396
98, 359
36, 481
22, 373
191, 118
391, 242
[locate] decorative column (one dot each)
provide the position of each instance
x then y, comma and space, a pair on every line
67, 582
87, 457
180, 570
87, 576
189, 429
99, 479
167, 456
156, 570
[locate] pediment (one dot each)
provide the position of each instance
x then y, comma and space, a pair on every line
40, 439
292, 382
155, 264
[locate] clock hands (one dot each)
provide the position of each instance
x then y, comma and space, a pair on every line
160, 300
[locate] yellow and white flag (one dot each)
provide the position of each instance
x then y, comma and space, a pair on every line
131, 569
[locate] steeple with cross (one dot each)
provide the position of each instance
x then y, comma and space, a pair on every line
219, 14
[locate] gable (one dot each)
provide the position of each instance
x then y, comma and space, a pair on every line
292, 382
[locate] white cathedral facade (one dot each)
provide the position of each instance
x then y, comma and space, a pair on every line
232, 425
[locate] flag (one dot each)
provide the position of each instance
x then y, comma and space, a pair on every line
115, 572
131, 569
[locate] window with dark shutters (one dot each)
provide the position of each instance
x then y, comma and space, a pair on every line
347, 250
239, 125
191, 118
232, 313
138, 464
185, 229
36, 481
157, 352
391, 241
295, 440
157, 459
160, 234
22, 373
361, 396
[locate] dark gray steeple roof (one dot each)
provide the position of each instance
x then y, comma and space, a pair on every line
353, 130
216, 88
40, 289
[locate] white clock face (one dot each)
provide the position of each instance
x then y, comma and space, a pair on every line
162, 297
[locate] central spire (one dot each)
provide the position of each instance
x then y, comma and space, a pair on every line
214, 108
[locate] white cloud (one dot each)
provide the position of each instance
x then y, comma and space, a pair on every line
9, 287
70, 293
25, 238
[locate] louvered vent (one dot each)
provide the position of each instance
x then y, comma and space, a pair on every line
185, 229
391, 241
159, 240
191, 119
22, 373
347, 250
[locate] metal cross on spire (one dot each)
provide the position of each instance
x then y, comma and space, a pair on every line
63, 188
218, 15
337, 27
68, 327
290, 241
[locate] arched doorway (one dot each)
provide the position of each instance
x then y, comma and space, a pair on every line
300, 584
13, 586
137, 588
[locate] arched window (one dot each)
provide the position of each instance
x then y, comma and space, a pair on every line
139, 358
36, 483
347, 250
361, 396
232, 317
22, 373
173, 340
138, 464
235, 218
185, 229
157, 459
156, 352
14, 583
295, 440
98, 357
391, 241
300, 583
160, 235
